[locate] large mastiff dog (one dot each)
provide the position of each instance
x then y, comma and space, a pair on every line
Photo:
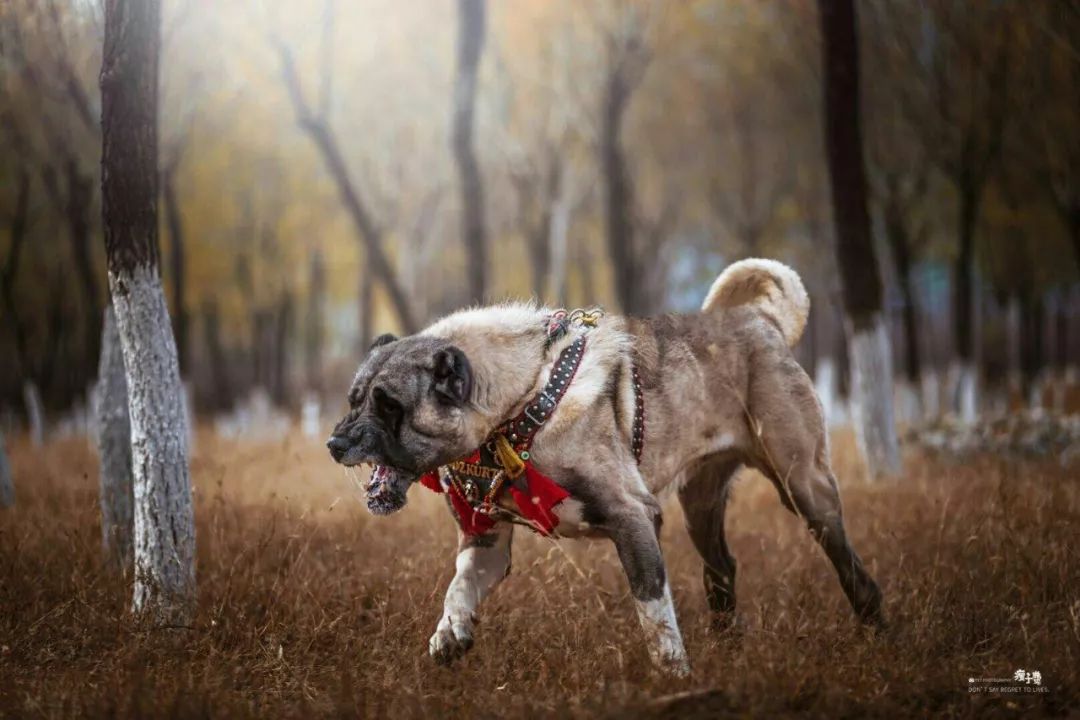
629, 408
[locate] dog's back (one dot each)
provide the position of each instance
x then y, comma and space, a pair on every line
705, 372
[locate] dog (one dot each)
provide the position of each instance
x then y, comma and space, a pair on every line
630, 409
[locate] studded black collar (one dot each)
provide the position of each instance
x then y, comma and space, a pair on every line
521, 430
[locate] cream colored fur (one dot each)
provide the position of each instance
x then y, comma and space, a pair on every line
772, 287
505, 346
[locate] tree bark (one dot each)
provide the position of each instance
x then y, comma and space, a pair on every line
178, 261
7, 484
164, 540
871, 357
471, 22
114, 448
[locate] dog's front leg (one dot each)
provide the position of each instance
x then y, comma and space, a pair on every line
482, 562
634, 534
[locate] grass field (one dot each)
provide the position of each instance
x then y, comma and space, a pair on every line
310, 607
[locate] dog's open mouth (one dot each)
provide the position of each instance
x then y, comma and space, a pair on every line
387, 488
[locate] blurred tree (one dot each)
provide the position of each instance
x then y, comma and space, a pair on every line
164, 543
471, 30
17, 238
961, 54
221, 384
538, 191
175, 222
7, 485
871, 356
627, 57
114, 449
313, 323
319, 130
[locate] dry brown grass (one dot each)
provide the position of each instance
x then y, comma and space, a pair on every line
311, 607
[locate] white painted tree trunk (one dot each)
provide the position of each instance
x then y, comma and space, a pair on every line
908, 403
967, 392
164, 547
114, 447
310, 416
931, 394
7, 485
872, 398
34, 414
825, 384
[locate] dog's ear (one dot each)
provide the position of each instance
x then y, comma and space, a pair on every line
384, 339
452, 375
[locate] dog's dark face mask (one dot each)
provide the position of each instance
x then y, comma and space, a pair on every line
408, 414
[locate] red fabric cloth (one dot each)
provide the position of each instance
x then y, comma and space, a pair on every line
536, 503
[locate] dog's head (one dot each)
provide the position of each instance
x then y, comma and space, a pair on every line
409, 412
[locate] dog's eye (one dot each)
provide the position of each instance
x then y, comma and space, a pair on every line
389, 409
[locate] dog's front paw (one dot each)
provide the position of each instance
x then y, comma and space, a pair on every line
452, 639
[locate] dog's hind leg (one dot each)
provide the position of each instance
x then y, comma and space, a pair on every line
704, 498
793, 452
817, 499
482, 562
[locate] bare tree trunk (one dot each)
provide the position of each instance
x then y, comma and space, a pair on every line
79, 197
322, 135
17, 234
35, 415
178, 261
7, 485
164, 542
966, 398
1074, 232
871, 356
313, 323
1032, 354
280, 387
619, 191
901, 247
367, 311
560, 229
219, 370
260, 358
473, 228
114, 448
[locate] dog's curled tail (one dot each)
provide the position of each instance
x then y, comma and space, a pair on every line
771, 287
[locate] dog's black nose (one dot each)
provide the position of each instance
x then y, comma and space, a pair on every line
338, 446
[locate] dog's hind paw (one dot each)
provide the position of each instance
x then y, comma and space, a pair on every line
451, 640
